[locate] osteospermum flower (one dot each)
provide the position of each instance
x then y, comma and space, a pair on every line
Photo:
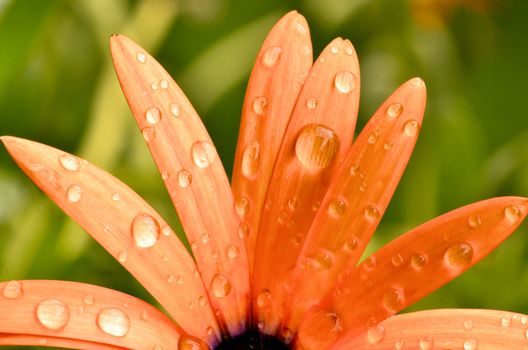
276, 264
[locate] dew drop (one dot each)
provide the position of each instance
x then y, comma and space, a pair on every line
410, 128
220, 286
355, 169
459, 255
250, 160
370, 263
116, 197
334, 49
148, 134
394, 110
260, 105
153, 115
470, 344
293, 202
203, 154
12, 290
371, 212
372, 139
506, 321
345, 82
69, 162
180, 280
282, 218
351, 244
164, 83
397, 260
53, 314
122, 256
271, 56
305, 50
316, 205
512, 213
88, 299
243, 230
232, 251
474, 221
166, 231
323, 259
388, 145
337, 207
468, 325
316, 146
171, 278
145, 230
311, 103
399, 345
375, 334
264, 299
205, 238
418, 261
300, 28
393, 299
184, 178
154, 86
74, 193
113, 321
242, 206
141, 57
426, 343
175, 109
202, 300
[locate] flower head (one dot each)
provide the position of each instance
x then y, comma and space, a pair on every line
276, 252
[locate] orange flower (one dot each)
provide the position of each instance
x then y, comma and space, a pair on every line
279, 257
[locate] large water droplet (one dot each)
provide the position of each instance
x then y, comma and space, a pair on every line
203, 154
250, 160
264, 299
12, 290
337, 207
271, 56
74, 193
113, 321
153, 115
184, 178
53, 314
394, 110
410, 128
393, 299
145, 230
459, 255
69, 162
375, 334
345, 82
220, 286
316, 146
242, 206
512, 213
187, 342
260, 105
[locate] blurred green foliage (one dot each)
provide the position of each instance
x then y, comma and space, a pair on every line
57, 87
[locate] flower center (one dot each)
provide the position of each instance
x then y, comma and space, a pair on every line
252, 341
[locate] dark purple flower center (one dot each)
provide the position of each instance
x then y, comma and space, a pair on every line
252, 341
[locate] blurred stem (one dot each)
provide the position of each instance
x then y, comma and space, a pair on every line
110, 118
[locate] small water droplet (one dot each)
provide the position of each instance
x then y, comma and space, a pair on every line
316, 205
243, 230
74, 193
410, 128
468, 325
202, 300
323, 259
180, 280
166, 231
337, 207
113, 321
474, 221
116, 197
512, 213
122, 256
164, 83
351, 244
154, 86
375, 334
184, 178
53, 314
69, 162
264, 299
203, 154
300, 28
393, 299
250, 160
426, 343
141, 57
349, 51
355, 169
372, 138
271, 56
171, 278
260, 105
370, 263
388, 145
293, 202
282, 218
242, 206
220, 286
175, 109
287, 334
394, 110
232, 251
397, 260
459, 255
145, 230
345, 82
335, 49
311, 103
88, 299
470, 344
399, 345
418, 261
153, 115
148, 134
316, 146
205, 238
305, 50
12, 290
371, 212
506, 321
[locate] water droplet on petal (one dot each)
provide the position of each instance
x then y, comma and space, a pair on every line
351, 244
264, 299
153, 115
293, 202
468, 325
250, 160
145, 230
180, 280
334, 49
388, 146
459, 255
345, 82
243, 230
203, 154
12, 290
410, 128
164, 83
311, 103
260, 105
74, 193
171, 278
188, 342
271, 56
88, 299
175, 109
337, 207
506, 321
53, 314
393, 299
470, 344
399, 345
148, 134
474, 221
113, 321
232, 251
426, 343
242, 206
372, 139
141, 57
397, 260
375, 334
122, 256
220, 286
69, 162
316, 146
512, 213
184, 178
154, 86
205, 238
323, 259
371, 212
116, 197
394, 110
300, 28
418, 261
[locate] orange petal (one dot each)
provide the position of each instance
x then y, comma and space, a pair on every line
194, 176
55, 342
281, 68
319, 134
77, 311
125, 225
446, 329
357, 197
417, 263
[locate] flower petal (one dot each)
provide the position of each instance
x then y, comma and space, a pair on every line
77, 311
281, 68
357, 197
125, 225
194, 176
56, 342
446, 329
319, 134
416, 264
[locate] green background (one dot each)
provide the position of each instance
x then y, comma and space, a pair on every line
57, 87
